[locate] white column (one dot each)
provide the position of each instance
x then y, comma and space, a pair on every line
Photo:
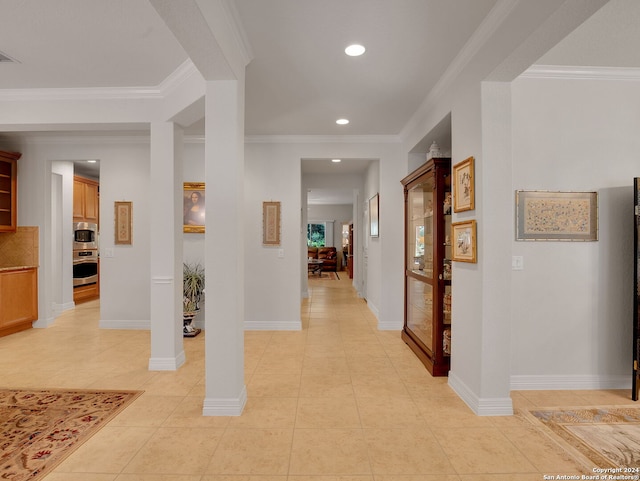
167, 352
224, 253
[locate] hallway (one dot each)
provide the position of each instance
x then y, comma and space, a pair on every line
337, 401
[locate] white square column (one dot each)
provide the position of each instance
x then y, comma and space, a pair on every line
224, 248
167, 350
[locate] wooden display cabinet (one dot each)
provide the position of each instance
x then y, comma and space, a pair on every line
427, 316
8, 191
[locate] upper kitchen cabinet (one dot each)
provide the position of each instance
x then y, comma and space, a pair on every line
85, 200
8, 188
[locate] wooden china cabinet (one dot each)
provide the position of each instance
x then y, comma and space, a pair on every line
427, 312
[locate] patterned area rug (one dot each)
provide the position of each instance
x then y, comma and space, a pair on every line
599, 437
329, 275
40, 428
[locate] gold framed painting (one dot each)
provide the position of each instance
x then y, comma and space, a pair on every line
556, 216
123, 215
464, 185
271, 223
193, 207
464, 241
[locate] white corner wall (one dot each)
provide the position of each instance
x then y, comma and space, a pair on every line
572, 303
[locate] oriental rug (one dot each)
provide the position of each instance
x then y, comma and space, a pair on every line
40, 428
606, 437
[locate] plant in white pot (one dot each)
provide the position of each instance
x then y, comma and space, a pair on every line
192, 294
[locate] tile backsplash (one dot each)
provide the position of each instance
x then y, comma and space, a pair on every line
20, 248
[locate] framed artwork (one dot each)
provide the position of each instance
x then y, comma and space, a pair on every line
271, 223
464, 188
193, 207
464, 241
374, 216
123, 215
556, 216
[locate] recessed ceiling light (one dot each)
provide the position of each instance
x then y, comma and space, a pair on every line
342, 121
92, 161
336, 161
354, 50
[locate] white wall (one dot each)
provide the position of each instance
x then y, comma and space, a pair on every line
273, 173
62, 238
272, 273
573, 300
373, 253
124, 167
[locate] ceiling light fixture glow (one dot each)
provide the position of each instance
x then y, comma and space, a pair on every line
91, 161
354, 50
336, 161
342, 121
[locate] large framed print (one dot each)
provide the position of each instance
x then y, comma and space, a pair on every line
556, 216
464, 241
193, 207
464, 185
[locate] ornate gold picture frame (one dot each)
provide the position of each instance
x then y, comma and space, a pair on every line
193, 207
464, 185
463, 235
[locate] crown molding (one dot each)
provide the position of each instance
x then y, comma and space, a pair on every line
582, 73
498, 14
322, 139
173, 81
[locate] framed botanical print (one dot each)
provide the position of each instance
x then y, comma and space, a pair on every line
193, 207
463, 236
463, 185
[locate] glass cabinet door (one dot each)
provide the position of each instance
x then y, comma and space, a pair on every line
420, 229
420, 261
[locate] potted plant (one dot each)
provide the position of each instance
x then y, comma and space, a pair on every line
192, 294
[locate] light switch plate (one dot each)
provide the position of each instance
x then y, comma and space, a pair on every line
517, 263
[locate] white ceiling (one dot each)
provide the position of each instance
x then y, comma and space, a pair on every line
299, 80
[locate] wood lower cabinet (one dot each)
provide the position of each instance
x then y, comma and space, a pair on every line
8, 191
18, 299
427, 326
85, 200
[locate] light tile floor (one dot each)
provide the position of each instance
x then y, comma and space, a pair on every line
337, 401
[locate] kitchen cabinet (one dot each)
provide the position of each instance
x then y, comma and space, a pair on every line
8, 191
18, 299
85, 200
427, 323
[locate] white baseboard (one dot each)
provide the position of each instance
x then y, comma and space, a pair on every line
273, 326
480, 406
225, 406
569, 382
390, 326
167, 363
141, 325
43, 323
